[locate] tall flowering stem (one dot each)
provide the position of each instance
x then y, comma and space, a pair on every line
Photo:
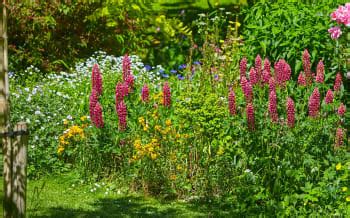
96, 78
258, 63
329, 97
301, 79
273, 106
320, 72
98, 117
166, 95
314, 103
339, 138
122, 115
121, 90
272, 85
92, 103
126, 67
247, 89
243, 67
145, 93
290, 112
307, 66
232, 102
267, 65
253, 76
283, 72
341, 109
250, 116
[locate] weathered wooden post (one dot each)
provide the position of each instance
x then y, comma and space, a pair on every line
14, 142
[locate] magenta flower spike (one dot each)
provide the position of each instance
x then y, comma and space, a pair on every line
320, 72
243, 67
329, 97
341, 109
314, 103
250, 116
98, 117
166, 95
126, 65
301, 79
273, 106
122, 115
96, 79
338, 82
290, 112
145, 93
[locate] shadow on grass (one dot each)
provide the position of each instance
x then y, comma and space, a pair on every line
138, 207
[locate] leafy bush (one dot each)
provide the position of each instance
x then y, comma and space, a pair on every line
284, 30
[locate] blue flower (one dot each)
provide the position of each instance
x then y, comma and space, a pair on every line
182, 66
173, 71
180, 77
197, 63
164, 75
161, 71
148, 67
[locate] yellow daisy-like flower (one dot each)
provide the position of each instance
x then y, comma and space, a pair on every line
145, 128
344, 189
347, 199
338, 166
60, 149
157, 127
168, 122
141, 120
153, 156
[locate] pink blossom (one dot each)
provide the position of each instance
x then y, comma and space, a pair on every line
166, 95
258, 66
93, 100
339, 138
145, 93
335, 32
266, 75
96, 79
247, 89
126, 67
253, 76
314, 103
98, 117
130, 81
272, 85
267, 65
329, 97
320, 72
250, 116
301, 79
290, 112
341, 109
338, 82
307, 66
122, 115
282, 72
121, 90
273, 106
232, 102
342, 14
243, 67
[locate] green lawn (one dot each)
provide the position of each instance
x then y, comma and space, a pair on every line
64, 196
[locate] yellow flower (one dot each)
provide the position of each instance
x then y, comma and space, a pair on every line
60, 149
145, 128
338, 167
65, 121
179, 167
186, 136
157, 127
83, 118
344, 189
347, 199
177, 135
153, 156
141, 120
172, 177
168, 122
137, 144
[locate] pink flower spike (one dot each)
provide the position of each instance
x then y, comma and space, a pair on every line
258, 63
266, 76
96, 78
272, 85
339, 138
122, 115
243, 67
247, 89
329, 97
166, 95
98, 120
267, 65
250, 116
307, 67
273, 106
338, 82
341, 110
232, 102
126, 67
253, 76
320, 72
93, 101
301, 79
290, 112
145, 93
314, 103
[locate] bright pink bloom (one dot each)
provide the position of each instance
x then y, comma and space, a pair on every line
282, 72
243, 67
166, 95
130, 81
307, 66
253, 76
96, 79
126, 67
272, 85
250, 116
339, 138
335, 32
320, 72
329, 97
122, 115
247, 89
145, 93
273, 106
258, 66
341, 110
342, 15
93, 100
301, 79
290, 112
267, 65
314, 103
98, 117
338, 82
232, 102
121, 90
266, 76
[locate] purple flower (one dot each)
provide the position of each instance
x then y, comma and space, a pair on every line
173, 71
182, 66
164, 75
148, 67
197, 63
180, 77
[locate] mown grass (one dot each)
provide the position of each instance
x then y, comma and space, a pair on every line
64, 196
